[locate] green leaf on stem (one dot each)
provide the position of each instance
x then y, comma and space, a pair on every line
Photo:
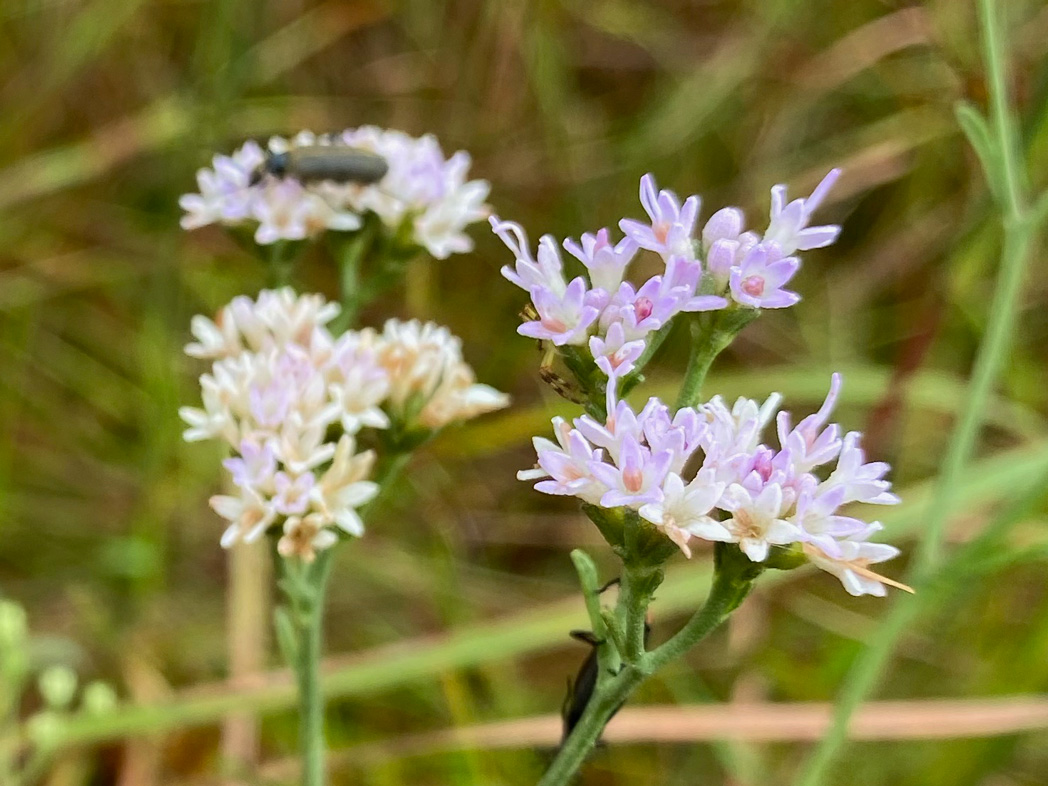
590, 581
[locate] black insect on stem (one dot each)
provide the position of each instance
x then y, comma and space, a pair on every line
314, 163
580, 691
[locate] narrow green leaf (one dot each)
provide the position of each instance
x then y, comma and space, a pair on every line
590, 581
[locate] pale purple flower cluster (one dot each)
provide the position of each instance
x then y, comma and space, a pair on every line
422, 190
743, 490
289, 398
728, 267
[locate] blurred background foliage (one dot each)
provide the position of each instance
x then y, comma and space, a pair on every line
105, 536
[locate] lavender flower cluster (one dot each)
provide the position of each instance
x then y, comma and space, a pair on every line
423, 192
728, 267
290, 399
743, 491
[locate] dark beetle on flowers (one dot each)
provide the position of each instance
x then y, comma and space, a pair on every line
313, 163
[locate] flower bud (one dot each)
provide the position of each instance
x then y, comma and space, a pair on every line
725, 224
719, 260
58, 686
99, 698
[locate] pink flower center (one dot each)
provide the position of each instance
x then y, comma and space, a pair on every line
753, 285
553, 325
633, 480
661, 230
643, 307
571, 473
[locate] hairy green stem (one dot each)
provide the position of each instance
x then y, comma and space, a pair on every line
730, 588
606, 700
701, 358
306, 595
732, 581
1019, 231
634, 598
311, 740
281, 261
710, 335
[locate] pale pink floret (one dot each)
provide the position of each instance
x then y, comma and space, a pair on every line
682, 435
726, 244
606, 263
757, 522
249, 516
684, 510
809, 445
292, 493
255, 467
758, 280
636, 478
862, 482
817, 516
567, 464
680, 283
622, 422
546, 272
613, 354
849, 560
564, 319
788, 228
672, 224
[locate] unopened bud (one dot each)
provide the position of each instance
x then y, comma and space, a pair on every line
58, 686
99, 698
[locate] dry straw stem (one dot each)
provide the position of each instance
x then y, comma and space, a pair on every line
929, 719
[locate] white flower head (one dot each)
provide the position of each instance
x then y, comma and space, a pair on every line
429, 380
421, 188
684, 509
280, 390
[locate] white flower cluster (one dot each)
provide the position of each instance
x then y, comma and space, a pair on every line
743, 491
422, 189
289, 398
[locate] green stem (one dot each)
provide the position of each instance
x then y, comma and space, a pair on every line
703, 353
309, 612
606, 699
730, 587
281, 264
1019, 231
350, 262
732, 582
709, 336
635, 595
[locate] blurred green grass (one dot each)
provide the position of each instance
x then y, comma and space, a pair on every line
106, 537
